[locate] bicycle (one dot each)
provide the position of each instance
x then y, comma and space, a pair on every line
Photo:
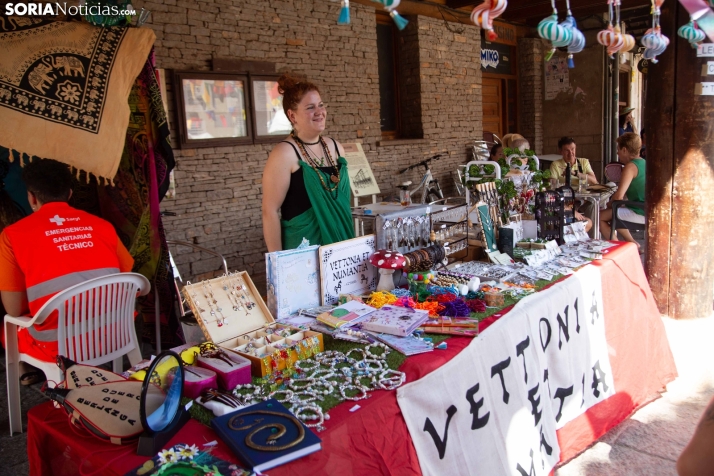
431, 190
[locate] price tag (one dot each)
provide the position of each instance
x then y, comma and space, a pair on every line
705, 50
708, 69
704, 89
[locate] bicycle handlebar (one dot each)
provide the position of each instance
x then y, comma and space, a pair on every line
424, 163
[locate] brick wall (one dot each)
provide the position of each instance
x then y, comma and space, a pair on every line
219, 190
530, 72
410, 80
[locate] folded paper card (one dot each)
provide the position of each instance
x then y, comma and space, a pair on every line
350, 312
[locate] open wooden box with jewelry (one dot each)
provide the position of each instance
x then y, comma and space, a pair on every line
232, 314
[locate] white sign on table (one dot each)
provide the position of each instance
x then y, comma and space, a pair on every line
345, 268
496, 406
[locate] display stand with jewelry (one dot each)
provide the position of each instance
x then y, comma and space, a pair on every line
231, 314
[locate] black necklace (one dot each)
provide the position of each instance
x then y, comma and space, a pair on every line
295, 136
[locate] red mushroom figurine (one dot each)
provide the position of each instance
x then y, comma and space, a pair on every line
387, 261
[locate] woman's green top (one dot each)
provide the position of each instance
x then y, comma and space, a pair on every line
636, 190
330, 218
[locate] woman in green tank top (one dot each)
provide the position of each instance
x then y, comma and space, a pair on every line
631, 186
319, 205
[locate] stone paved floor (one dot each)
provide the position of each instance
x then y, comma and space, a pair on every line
647, 444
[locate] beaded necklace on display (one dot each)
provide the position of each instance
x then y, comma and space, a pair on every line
232, 296
334, 177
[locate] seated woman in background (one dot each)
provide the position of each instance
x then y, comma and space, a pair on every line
631, 187
497, 153
508, 139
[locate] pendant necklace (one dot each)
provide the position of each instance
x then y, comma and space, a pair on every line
334, 177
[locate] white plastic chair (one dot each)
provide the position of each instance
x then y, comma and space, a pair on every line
95, 324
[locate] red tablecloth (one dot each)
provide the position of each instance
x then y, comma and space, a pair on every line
374, 439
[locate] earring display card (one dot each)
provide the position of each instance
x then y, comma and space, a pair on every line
232, 314
293, 281
345, 268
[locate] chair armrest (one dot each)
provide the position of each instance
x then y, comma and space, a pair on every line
22, 321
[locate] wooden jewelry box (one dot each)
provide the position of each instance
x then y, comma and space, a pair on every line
232, 315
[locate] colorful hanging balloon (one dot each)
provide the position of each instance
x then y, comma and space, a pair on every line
692, 33
391, 7
484, 14
344, 18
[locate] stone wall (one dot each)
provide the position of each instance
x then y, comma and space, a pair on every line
530, 75
219, 190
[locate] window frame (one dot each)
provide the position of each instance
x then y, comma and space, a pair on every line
184, 141
261, 139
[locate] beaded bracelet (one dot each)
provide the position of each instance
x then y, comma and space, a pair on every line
360, 388
293, 383
307, 365
319, 416
391, 383
289, 395
382, 356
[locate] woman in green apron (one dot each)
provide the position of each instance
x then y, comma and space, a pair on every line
306, 190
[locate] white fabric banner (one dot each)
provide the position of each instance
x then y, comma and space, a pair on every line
494, 409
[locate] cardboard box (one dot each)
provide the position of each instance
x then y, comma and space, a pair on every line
251, 322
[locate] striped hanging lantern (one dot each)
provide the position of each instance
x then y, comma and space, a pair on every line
691, 33
344, 18
484, 14
612, 38
558, 35
629, 43
653, 40
391, 7
577, 43
655, 43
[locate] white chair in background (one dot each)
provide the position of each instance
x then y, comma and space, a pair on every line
95, 325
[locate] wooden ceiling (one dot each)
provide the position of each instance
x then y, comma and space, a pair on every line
530, 12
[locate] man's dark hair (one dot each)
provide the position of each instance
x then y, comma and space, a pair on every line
48, 180
565, 141
495, 148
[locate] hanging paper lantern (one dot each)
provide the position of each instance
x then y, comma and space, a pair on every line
691, 33
629, 43
558, 35
484, 14
655, 43
612, 39
344, 18
391, 7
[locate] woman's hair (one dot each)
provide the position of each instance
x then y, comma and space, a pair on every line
631, 142
509, 138
565, 141
518, 143
494, 149
48, 180
293, 87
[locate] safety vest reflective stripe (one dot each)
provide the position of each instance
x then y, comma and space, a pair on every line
61, 283
49, 335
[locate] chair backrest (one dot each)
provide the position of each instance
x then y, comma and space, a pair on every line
613, 172
95, 319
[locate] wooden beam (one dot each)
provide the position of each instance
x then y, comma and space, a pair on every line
691, 252
659, 128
